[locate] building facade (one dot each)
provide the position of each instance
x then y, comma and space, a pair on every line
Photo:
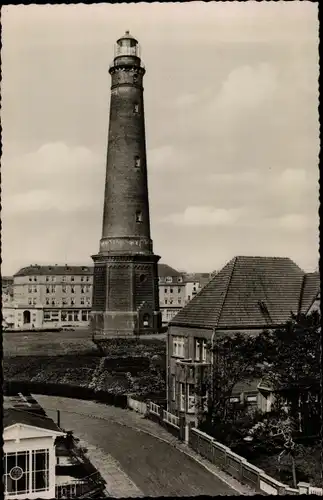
194, 282
248, 295
52, 296
172, 292
125, 292
61, 296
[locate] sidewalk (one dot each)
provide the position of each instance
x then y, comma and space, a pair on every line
118, 484
142, 424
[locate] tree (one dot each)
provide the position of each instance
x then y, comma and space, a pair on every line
234, 359
292, 358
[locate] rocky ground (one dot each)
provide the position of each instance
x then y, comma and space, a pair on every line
127, 366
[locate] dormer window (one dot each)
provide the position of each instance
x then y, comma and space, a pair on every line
138, 216
137, 161
136, 108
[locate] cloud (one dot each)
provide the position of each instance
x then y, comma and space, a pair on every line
204, 216
295, 222
245, 88
55, 177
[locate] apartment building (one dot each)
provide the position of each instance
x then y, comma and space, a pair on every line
172, 292
248, 295
58, 296
52, 296
194, 282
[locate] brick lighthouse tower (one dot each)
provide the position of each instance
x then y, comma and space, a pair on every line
125, 289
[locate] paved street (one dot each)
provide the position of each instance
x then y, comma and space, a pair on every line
133, 462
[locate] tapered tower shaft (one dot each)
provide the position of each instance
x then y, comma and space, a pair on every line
125, 292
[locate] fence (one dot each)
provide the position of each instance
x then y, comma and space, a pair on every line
80, 487
218, 454
171, 419
241, 469
11, 388
138, 406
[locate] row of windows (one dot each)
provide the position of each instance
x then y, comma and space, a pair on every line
171, 290
171, 301
71, 289
187, 396
200, 348
169, 279
63, 278
26, 472
65, 316
67, 301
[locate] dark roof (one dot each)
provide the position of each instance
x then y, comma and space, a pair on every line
198, 277
12, 416
310, 290
247, 292
49, 270
164, 270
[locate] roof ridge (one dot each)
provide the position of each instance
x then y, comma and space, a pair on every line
301, 294
226, 292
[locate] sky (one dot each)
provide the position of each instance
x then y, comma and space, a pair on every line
231, 98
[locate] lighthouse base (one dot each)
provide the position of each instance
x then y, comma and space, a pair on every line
125, 296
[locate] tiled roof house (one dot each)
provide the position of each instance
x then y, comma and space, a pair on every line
248, 295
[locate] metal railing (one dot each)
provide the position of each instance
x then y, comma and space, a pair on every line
313, 490
170, 419
79, 487
154, 408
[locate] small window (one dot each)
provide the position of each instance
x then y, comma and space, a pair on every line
135, 77
179, 301
72, 289
234, 400
47, 278
252, 399
142, 278
72, 278
136, 108
166, 290
138, 216
180, 280
146, 320
72, 302
170, 290
165, 301
47, 290
137, 161
47, 302
82, 300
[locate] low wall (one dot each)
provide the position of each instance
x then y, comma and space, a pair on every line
219, 454
239, 468
64, 390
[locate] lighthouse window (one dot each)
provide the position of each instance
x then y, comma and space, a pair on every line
135, 77
138, 216
137, 161
136, 108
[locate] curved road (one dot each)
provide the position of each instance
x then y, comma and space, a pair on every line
153, 467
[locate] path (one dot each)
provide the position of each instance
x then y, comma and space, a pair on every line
133, 462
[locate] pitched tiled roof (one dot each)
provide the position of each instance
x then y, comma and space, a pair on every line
55, 270
12, 416
310, 290
247, 292
164, 270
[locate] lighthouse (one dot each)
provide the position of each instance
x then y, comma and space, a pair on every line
125, 288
